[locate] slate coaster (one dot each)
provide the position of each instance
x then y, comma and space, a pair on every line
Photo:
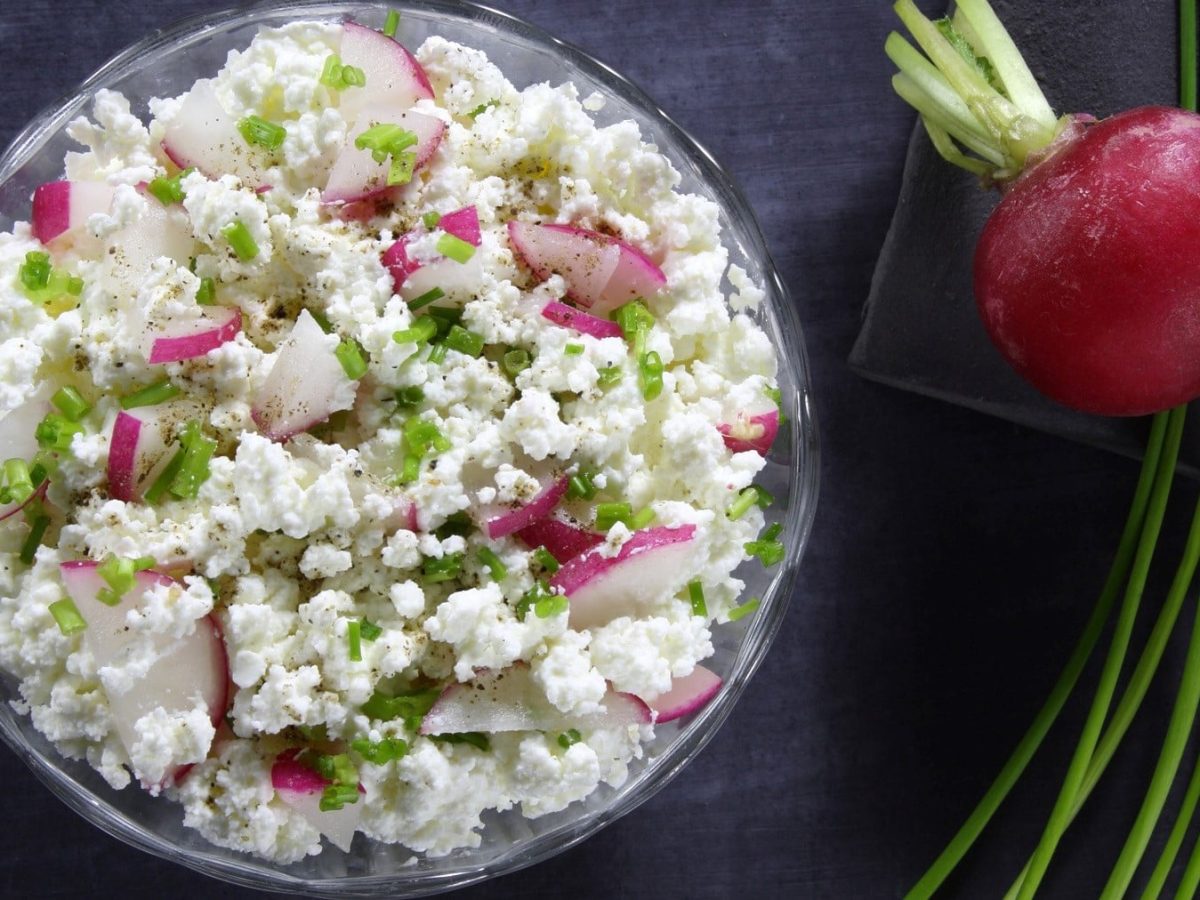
921, 331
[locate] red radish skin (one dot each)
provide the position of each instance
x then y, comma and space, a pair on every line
1087, 275
301, 788
393, 75
60, 207
687, 694
584, 323
562, 540
463, 224
536, 509
757, 432
457, 281
122, 457
139, 444
201, 336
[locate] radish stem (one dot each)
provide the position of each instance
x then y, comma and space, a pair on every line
1029, 743
1060, 815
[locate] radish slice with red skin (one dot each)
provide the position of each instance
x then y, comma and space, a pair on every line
584, 323
18, 439
463, 224
562, 540
61, 207
457, 281
196, 337
394, 77
139, 443
187, 668
602, 272
301, 788
510, 700
755, 433
355, 174
648, 566
522, 517
203, 136
687, 694
306, 385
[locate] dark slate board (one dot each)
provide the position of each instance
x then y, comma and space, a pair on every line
920, 330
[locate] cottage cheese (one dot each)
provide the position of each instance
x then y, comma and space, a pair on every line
290, 544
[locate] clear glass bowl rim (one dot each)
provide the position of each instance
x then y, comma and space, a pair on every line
765, 624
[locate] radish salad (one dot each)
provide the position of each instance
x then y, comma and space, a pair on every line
378, 445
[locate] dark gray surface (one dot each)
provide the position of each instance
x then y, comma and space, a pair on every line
954, 558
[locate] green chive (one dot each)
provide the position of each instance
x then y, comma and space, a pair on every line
409, 396
516, 361
467, 342
350, 355
421, 331
546, 560
634, 319
609, 376
410, 470
207, 291
391, 23
443, 569
745, 499
257, 130
353, 76
641, 519
437, 354
476, 739
650, 375
554, 605
55, 432
455, 248
151, 395
194, 469
569, 737
354, 638
67, 617
169, 191
401, 169
459, 523
74, 286
422, 436
745, 609
380, 752
369, 630
609, 514
430, 219
580, 487
573, 350
696, 596
410, 706
536, 594
37, 529
482, 108
426, 298
163, 481
240, 240
488, 557
768, 550
35, 271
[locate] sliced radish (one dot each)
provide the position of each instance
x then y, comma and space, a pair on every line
306, 385
563, 540
301, 788
751, 432
602, 588
584, 323
18, 439
185, 669
510, 700
61, 207
457, 281
394, 77
204, 136
512, 520
601, 271
178, 341
355, 174
139, 445
463, 224
687, 694
156, 233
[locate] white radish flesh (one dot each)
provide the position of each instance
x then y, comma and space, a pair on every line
301, 788
393, 76
202, 135
139, 445
356, 175
513, 520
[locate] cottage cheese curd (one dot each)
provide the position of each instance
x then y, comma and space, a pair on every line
312, 552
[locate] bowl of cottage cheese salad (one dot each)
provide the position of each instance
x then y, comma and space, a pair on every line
405, 440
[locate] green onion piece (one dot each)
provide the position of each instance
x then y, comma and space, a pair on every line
74, 286
37, 474
35, 271
569, 737
696, 596
411, 706
354, 638
421, 331
207, 291
384, 140
369, 630
516, 361
768, 550
410, 470
650, 375
467, 342
118, 573
257, 130
773, 531
482, 108
437, 354
609, 514
580, 486
169, 191
609, 376
633, 318
444, 569
353, 76
641, 519
536, 594
745, 499
476, 739
331, 72
573, 350
401, 169
67, 617
163, 481
745, 609
55, 432
554, 605
380, 752
151, 395
391, 23
240, 240
458, 523
409, 396
350, 355
37, 529
765, 498
337, 796
488, 557
142, 563
422, 436
426, 298
19, 479
430, 219
108, 597
455, 248
546, 560
193, 470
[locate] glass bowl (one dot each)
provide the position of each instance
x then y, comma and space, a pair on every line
166, 64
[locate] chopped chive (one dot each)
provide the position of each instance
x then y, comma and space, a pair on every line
384, 140
401, 169
609, 376
118, 573
169, 191
426, 298
207, 291
66, 616
240, 240
455, 248
391, 23
354, 638
431, 219
421, 331
151, 395
580, 486
339, 77
421, 436
765, 498
768, 550
573, 350
482, 108
56, 432
516, 361
536, 594
163, 481
257, 130
353, 76
476, 739
18, 478
410, 706
380, 752
459, 523
773, 531
696, 596
35, 271
193, 469
443, 569
488, 557
142, 563
745, 499
609, 514
409, 396
467, 342
745, 609
369, 630
350, 355
37, 529
410, 469
635, 320
546, 560
650, 375
554, 605
74, 286
437, 354
569, 737
641, 519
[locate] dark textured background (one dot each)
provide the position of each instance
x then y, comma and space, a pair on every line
954, 558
